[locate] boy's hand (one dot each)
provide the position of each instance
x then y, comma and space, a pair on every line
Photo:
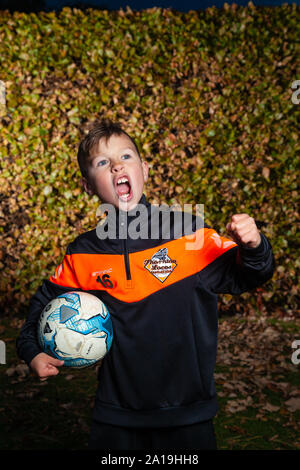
44, 365
244, 231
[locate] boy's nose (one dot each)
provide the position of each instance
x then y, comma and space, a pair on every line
116, 167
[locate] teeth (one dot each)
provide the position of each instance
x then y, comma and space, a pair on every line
122, 180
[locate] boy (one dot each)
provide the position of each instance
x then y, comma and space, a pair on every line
156, 388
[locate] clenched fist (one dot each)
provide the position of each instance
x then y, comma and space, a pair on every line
244, 231
44, 365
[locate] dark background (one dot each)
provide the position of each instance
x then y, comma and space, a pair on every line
180, 5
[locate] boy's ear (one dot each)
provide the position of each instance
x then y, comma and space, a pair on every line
145, 170
87, 186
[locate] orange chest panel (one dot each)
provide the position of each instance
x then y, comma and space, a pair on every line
150, 269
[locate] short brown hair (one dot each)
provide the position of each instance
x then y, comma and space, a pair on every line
99, 130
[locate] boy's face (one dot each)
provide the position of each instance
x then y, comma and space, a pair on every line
116, 173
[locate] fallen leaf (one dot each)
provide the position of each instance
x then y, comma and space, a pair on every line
271, 408
293, 404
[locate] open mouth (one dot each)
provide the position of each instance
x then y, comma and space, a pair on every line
123, 188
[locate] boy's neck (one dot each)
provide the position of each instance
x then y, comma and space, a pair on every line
132, 211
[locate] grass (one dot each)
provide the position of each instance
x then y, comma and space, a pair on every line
244, 431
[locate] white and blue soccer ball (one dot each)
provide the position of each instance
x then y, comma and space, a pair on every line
76, 327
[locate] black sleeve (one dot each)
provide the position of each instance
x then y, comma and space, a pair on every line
27, 342
240, 269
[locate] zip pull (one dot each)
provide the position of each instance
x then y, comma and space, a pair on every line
124, 231
128, 282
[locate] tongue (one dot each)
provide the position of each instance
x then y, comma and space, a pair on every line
123, 188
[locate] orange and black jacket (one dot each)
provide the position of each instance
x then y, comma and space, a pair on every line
162, 298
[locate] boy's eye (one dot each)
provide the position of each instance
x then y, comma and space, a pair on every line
101, 162
126, 156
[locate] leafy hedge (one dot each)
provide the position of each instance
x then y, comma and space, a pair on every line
206, 95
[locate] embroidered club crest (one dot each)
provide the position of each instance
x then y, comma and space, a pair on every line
160, 264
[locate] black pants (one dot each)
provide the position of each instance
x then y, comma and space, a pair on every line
199, 436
